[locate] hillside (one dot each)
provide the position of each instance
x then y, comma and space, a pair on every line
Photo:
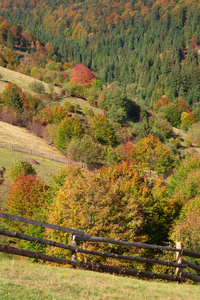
22, 137
40, 281
150, 43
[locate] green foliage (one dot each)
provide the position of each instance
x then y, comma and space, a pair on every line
69, 106
78, 90
13, 96
188, 165
188, 143
92, 96
86, 150
187, 226
176, 142
97, 84
37, 87
88, 111
102, 130
117, 103
196, 114
173, 114
70, 128
21, 167
150, 154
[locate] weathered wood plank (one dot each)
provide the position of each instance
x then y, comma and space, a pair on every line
75, 249
87, 265
124, 243
184, 252
42, 224
193, 277
191, 265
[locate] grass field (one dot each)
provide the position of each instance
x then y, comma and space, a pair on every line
21, 279
44, 170
21, 137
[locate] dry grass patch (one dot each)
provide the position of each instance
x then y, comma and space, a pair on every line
20, 79
22, 137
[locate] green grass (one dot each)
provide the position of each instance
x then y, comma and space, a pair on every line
44, 170
21, 279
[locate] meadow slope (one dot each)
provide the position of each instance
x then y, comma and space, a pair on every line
21, 279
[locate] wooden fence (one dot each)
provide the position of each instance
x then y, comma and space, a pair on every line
179, 265
40, 154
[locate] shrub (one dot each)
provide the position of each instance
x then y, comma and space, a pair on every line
88, 111
70, 128
187, 227
93, 95
176, 142
37, 87
21, 167
188, 143
86, 150
102, 130
69, 106
78, 90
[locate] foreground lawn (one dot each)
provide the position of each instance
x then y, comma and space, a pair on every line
21, 279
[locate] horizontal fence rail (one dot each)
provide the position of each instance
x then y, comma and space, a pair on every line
40, 154
39, 223
88, 265
102, 254
137, 245
78, 235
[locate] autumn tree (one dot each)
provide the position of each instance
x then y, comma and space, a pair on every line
70, 128
81, 74
53, 115
162, 102
13, 96
28, 198
151, 155
102, 130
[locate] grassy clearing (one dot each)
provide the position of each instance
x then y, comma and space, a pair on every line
21, 279
44, 170
20, 79
22, 137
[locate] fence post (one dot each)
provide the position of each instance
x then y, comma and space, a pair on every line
73, 244
178, 259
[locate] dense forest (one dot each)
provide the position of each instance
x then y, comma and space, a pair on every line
151, 43
138, 63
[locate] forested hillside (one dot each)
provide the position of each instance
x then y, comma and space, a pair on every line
150, 43
137, 63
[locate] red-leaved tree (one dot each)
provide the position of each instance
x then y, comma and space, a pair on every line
81, 74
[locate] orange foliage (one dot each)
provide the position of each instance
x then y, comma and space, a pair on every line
81, 74
162, 102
